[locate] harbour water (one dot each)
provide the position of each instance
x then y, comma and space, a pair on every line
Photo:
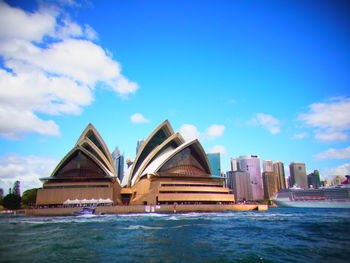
276, 235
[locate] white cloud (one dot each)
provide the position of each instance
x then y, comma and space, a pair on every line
72, 3
124, 87
331, 120
138, 118
50, 78
266, 121
189, 132
90, 33
218, 149
334, 154
331, 136
78, 59
26, 169
343, 169
299, 136
14, 122
17, 24
215, 130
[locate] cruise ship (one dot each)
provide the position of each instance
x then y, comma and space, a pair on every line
325, 197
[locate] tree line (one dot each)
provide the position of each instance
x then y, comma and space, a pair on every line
14, 199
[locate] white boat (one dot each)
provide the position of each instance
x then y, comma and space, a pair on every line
325, 197
87, 210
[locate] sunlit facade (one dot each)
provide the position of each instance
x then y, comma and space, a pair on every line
267, 166
86, 172
169, 170
240, 184
166, 170
270, 185
251, 165
278, 168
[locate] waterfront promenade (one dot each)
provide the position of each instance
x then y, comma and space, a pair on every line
149, 209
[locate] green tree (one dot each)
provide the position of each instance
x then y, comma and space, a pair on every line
29, 197
12, 201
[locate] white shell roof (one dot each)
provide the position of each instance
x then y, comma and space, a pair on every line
156, 163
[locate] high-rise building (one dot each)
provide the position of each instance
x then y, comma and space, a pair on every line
240, 184
298, 175
313, 180
140, 142
327, 182
214, 161
251, 164
267, 165
234, 165
270, 184
278, 168
118, 161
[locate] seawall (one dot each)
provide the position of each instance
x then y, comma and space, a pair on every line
148, 209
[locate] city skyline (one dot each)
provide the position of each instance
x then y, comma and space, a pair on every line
246, 78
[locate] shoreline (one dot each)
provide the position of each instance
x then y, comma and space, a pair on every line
148, 209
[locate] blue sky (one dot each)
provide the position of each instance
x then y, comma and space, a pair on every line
245, 77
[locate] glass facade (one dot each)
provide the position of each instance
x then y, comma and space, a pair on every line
156, 140
79, 165
89, 148
214, 161
118, 161
298, 175
92, 137
186, 162
313, 180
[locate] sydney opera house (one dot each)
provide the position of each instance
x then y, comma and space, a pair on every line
166, 170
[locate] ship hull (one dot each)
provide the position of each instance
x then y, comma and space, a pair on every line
312, 204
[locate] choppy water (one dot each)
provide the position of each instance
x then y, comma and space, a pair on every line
277, 235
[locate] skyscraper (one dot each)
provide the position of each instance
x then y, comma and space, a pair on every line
234, 165
270, 184
214, 161
139, 144
240, 184
298, 175
118, 161
278, 168
313, 180
267, 166
251, 164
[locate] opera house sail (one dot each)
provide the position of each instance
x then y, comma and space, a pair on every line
166, 170
169, 170
86, 172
